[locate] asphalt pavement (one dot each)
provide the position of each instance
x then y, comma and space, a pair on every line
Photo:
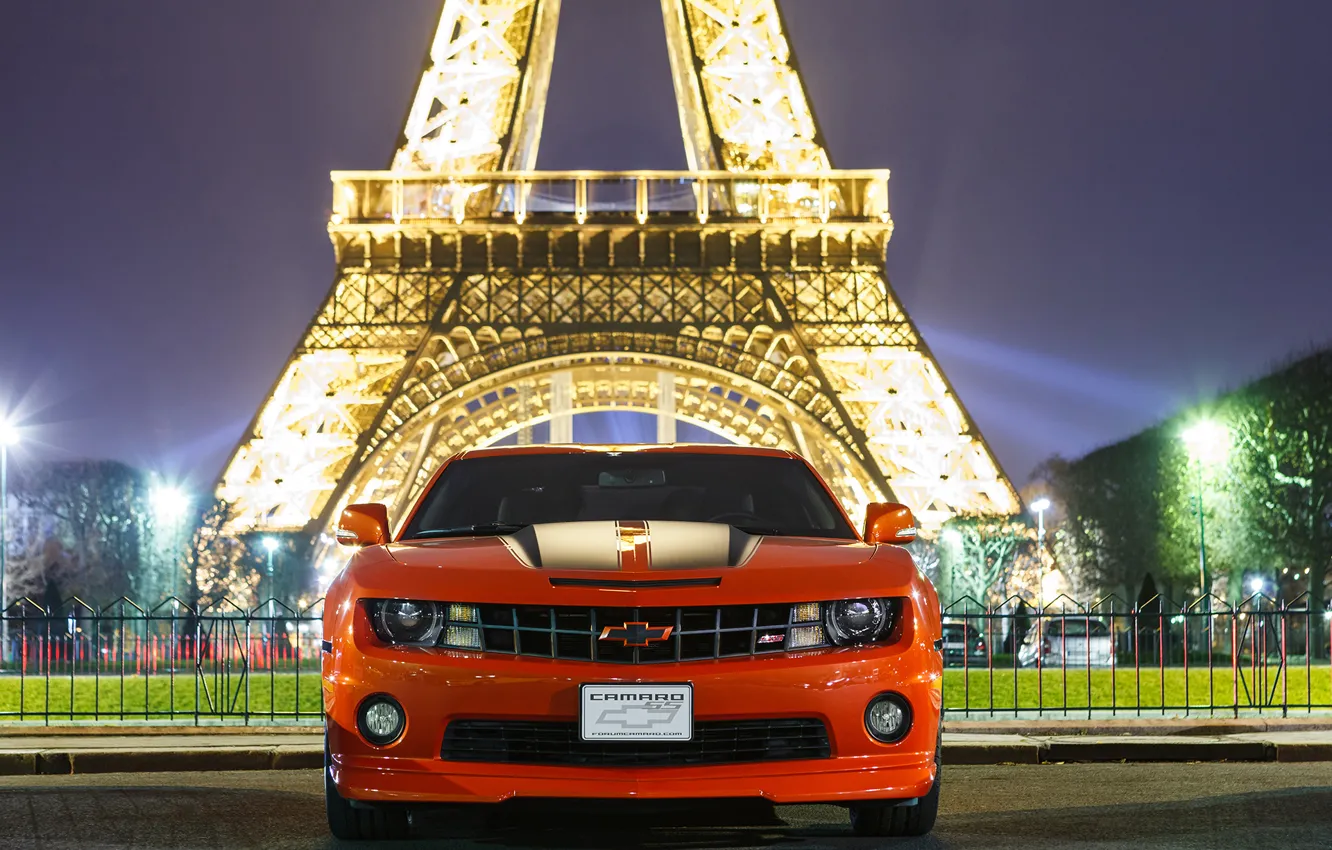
1085, 806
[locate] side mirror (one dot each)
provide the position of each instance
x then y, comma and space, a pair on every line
889, 522
363, 525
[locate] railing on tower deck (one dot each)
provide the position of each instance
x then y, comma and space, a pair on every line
396, 198
226, 663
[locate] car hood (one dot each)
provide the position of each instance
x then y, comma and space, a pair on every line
618, 563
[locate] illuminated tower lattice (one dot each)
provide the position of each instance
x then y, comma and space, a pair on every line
476, 297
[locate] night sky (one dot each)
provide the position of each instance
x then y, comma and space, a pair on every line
1104, 210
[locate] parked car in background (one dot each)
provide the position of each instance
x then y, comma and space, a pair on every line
1072, 640
963, 646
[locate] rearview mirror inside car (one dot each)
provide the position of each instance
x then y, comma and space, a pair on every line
363, 525
889, 522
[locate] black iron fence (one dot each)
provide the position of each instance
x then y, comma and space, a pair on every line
1155, 658
226, 663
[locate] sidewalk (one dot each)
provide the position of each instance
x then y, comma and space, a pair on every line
88, 749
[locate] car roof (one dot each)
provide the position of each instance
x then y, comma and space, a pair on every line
636, 448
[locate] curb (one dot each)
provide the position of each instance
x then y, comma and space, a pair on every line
64, 763
983, 754
1142, 751
310, 756
1074, 752
1303, 752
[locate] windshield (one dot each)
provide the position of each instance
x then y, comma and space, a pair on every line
502, 493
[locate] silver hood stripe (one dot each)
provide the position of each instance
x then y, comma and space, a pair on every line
631, 546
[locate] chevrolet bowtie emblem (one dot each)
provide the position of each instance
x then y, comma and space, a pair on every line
636, 634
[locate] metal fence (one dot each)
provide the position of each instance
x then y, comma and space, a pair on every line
229, 664
1155, 658
78, 662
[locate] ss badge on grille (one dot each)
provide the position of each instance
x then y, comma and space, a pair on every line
636, 634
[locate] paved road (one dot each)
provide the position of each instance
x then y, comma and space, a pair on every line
1090, 807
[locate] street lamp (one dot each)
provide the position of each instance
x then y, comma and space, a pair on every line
1208, 443
169, 506
270, 545
1040, 506
169, 503
9, 436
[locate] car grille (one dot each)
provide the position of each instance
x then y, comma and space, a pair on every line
556, 743
696, 633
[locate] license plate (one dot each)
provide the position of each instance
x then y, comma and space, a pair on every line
619, 712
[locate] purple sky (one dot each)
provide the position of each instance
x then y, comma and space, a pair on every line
1105, 210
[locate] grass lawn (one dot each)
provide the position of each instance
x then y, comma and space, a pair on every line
977, 690
218, 696
1053, 688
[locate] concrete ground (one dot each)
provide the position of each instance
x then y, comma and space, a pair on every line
1090, 807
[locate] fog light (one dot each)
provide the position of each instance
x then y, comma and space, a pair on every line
381, 720
888, 718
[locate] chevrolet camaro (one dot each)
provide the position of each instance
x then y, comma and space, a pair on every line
662, 623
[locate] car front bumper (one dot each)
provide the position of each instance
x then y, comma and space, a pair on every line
437, 686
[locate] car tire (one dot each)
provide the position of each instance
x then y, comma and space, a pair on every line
360, 823
886, 820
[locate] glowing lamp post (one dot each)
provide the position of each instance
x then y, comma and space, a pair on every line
1040, 506
169, 503
1208, 443
9, 436
169, 507
270, 545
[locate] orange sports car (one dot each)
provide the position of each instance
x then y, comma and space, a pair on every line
657, 623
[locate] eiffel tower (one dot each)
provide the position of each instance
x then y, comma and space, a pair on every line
476, 297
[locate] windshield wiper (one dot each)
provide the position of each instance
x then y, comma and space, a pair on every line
471, 530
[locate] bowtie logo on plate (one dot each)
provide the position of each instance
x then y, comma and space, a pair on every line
636, 634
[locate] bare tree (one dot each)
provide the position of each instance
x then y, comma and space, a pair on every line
216, 561
96, 511
979, 555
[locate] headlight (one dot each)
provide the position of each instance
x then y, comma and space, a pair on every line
853, 621
407, 621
